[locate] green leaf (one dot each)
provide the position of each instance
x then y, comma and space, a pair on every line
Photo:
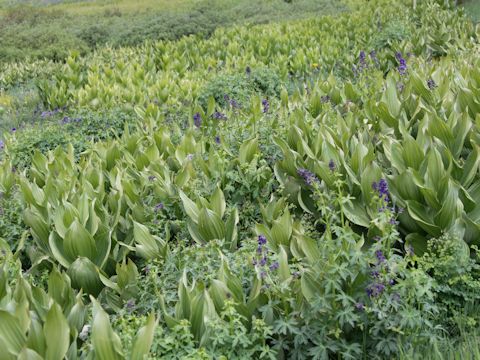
283, 270
248, 150
217, 202
210, 225
190, 207
105, 341
11, 334
143, 340
145, 243
57, 333
356, 213
282, 230
78, 242
84, 275
231, 230
40, 229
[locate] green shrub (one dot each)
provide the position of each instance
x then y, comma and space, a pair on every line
240, 87
455, 267
59, 129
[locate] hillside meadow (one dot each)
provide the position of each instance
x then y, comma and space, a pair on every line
299, 181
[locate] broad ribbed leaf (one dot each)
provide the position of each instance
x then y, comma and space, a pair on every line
210, 225
143, 340
190, 207
11, 334
145, 243
217, 202
57, 333
78, 242
105, 341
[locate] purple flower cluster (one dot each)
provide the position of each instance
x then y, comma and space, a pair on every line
262, 256
382, 188
362, 60
197, 119
67, 120
2, 145
380, 257
431, 84
159, 207
233, 103
375, 290
331, 165
45, 114
217, 139
219, 116
248, 71
266, 105
402, 63
308, 176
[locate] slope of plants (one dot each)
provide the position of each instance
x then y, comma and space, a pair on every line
281, 191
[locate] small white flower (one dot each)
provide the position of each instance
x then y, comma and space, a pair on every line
84, 333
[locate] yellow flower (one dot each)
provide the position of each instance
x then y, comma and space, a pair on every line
315, 65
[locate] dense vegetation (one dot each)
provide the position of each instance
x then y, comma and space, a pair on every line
52, 31
273, 191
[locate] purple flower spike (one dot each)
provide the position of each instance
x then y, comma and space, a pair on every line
266, 105
197, 120
262, 240
380, 257
274, 266
308, 176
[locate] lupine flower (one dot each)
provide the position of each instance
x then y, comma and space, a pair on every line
217, 139
308, 176
159, 207
263, 261
391, 282
380, 257
197, 120
393, 221
14, 129
266, 105
402, 67
226, 98
382, 188
190, 157
375, 290
219, 116
331, 165
431, 84
234, 104
2, 144
263, 274
274, 266
65, 120
359, 306
130, 304
147, 270
362, 60
248, 71
375, 274
151, 178
262, 240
